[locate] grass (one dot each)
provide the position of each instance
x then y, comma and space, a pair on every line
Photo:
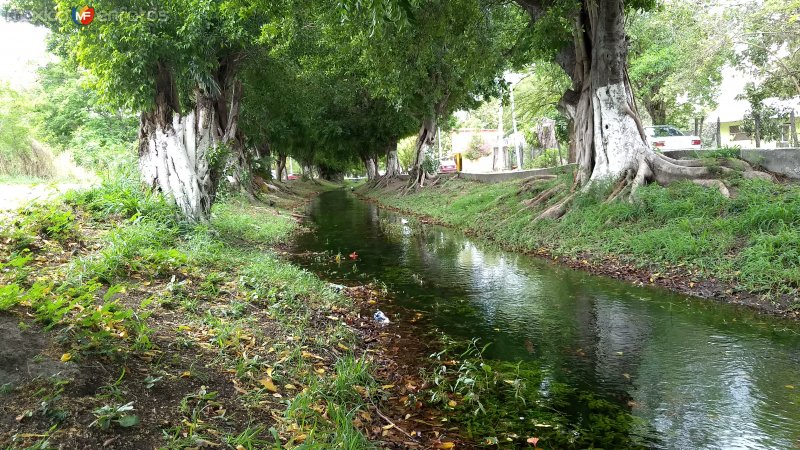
208, 316
749, 242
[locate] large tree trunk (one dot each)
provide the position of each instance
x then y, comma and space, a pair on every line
174, 154
264, 156
371, 165
656, 108
425, 139
179, 153
175, 149
392, 162
608, 136
281, 166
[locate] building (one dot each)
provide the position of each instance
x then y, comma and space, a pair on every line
732, 110
462, 141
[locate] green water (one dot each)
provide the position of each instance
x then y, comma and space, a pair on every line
692, 373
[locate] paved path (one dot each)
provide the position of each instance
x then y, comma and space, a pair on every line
13, 196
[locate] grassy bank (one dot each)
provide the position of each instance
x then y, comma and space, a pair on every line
138, 330
745, 249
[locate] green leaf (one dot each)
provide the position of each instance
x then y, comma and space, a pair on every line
128, 421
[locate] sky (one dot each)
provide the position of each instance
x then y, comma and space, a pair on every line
22, 51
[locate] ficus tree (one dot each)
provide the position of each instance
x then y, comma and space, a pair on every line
441, 56
177, 64
588, 40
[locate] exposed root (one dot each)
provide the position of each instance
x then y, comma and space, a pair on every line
723, 189
643, 173
383, 181
556, 211
667, 170
622, 186
530, 183
535, 178
543, 197
756, 174
682, 162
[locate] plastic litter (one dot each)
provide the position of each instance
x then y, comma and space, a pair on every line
380, 317
337, 287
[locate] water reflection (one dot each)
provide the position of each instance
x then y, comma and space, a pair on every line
699, 375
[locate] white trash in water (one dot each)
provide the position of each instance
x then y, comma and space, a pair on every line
380, 317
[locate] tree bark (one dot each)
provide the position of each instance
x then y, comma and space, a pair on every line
183, 154
392, 162
174, 155
371, 165
425, 140
608, 136
281, 166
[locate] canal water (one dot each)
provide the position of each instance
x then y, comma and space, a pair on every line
691, 373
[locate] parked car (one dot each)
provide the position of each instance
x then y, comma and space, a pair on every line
447, 165
666, 137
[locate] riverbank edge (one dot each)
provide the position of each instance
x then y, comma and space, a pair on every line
674, 279
388, 376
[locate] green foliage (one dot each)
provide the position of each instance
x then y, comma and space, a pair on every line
405, 152
19, 153
489, 397
761, 119
430, 164
537, 94
476, 148
115, 414
548, 158
671, 79
771, 34
54, 220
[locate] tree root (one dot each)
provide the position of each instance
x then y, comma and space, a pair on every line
556, 211
723, 189
622, 186
530, 183
383, 181
542, 197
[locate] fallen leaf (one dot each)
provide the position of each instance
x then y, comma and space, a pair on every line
452, 403
446, 445
66, 357
343, 347
268, 384
310, 355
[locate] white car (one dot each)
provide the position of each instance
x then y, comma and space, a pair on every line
666, 137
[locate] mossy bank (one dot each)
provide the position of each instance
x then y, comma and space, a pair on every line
744, 249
